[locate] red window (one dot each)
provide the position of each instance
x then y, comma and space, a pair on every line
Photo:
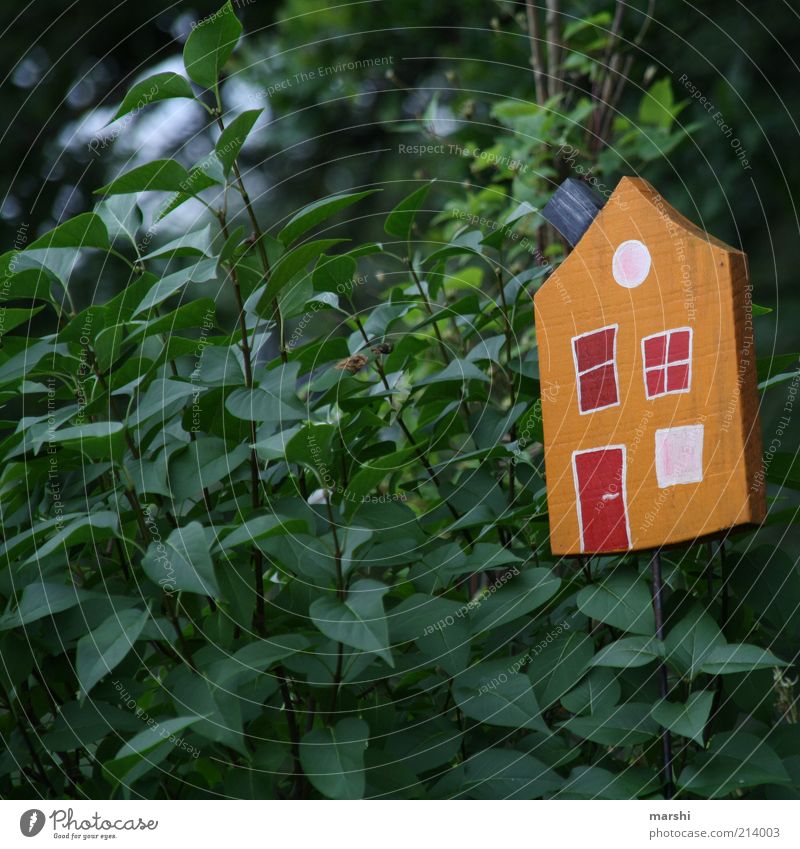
596, 369
667, 362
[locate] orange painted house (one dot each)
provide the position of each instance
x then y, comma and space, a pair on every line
648, 376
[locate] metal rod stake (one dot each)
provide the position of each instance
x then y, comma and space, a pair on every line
658, 610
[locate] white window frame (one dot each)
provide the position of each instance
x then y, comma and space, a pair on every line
667, 362
579, 374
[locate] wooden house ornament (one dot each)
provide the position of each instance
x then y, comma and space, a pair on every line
648, 375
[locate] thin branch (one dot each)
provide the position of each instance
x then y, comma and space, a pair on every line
602, 87
259, 238
509, 333
428, 308
407, 433
554, 45
537, 54
341, 593
622, 80
257, 559
294, 729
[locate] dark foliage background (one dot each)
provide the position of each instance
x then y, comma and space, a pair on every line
60, 62
408, 633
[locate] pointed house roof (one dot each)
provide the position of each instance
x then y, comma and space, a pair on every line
576, 210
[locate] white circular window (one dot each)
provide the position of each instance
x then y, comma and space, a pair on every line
631, 264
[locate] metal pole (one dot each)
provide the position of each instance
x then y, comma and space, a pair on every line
658, 610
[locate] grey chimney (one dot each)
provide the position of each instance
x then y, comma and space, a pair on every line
572, 209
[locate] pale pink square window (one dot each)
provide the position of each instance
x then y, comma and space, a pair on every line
595, 355
667, 361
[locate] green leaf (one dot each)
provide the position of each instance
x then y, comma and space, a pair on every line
400, 220
220, 710
487, 349
459, 371
597, 693
105, 647
200, 272
40, 599
629, 652
260, 528
162, 175
425, 746
142, 743
182, 562
691, 641
144, 751
99, 440
20, 364
447, 647
94, 527
206, 462
15, 317
496, 238
621, 725
317, 212
688, 720
774, 365
273, 400
465, 243
371, 473
233, 137
593, 782
359, 621
333, 759
199, 313
232, 248
121, 215
382, 317
419, 614
497, 693
164, 397
210, 45
108, 345
554, 670
740, 657
84, 231
152, 89
500, 773
523, 593
621, 600
334, 273
252, 660
80, 723
657, 107
311, 447
192, 243
734, 760
775, 596
289, 265
784, 470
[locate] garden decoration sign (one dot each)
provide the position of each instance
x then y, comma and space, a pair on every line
653, 436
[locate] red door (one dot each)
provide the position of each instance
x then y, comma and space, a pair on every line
600, 492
